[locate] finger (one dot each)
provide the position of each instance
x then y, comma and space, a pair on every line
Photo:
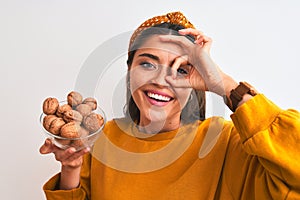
47, 147
204, 42
190, 31
75, 160
207, 42
178, 83
70, 154
200, 37
77, 154
194, 32
61, 155
181, 41
182, 60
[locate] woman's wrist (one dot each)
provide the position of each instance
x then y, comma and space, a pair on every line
69, 178
237, 94
226, 85
229, 85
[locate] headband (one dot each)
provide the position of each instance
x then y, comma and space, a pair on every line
172, 17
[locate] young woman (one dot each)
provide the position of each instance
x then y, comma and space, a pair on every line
164, 148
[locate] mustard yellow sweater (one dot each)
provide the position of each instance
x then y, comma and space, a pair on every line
255, 157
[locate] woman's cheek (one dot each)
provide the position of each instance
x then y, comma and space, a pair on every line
183, 95
135, 82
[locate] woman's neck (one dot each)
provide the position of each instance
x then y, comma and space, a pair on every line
148, 126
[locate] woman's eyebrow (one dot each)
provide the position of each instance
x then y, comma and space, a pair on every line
149, 56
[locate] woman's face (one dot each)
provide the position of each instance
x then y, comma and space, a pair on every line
157, 100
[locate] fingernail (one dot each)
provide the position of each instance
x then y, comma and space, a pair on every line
72, 150
47, 142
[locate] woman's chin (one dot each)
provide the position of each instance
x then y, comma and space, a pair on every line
158, 117
154, 116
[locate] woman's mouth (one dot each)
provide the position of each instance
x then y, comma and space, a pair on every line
158, 99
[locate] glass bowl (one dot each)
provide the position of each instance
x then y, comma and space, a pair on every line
78, 143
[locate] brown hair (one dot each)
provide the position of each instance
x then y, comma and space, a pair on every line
195, 107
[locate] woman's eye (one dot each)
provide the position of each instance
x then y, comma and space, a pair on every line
184, 71
147, 65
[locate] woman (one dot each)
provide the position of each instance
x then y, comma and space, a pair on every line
164, 148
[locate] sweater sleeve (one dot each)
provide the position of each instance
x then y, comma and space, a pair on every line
270, 138
80, 193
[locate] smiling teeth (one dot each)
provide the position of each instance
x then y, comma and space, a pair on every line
158, 97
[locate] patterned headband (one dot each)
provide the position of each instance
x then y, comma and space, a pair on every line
172, 17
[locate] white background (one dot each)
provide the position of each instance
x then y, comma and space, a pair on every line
44, 43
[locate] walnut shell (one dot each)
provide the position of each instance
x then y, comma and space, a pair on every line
47, 120
62, 108
56, 125
53, 124
93, 122
50, 106
82, 133
91, 102
74, 98
84, 109
72, 115
70, 130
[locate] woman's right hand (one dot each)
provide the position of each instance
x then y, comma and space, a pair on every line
69, 158
71, 161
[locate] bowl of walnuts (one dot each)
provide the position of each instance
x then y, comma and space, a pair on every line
75, 122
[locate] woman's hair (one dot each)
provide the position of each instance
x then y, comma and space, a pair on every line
195, 107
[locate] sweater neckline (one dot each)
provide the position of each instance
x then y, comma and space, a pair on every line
131, 129
167, 135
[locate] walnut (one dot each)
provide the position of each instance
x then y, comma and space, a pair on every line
93, 122
72, 115
53, 124
84, 109
47, 120
74, 98
70, 130
62, 108
82, 134
91, 102
50, 106
56, 125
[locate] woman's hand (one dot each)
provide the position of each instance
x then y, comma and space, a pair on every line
71, 161
206, 75
69, 158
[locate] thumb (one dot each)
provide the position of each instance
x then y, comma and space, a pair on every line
178, 82
47, 147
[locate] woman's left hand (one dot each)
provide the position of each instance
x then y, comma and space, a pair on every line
207, 76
